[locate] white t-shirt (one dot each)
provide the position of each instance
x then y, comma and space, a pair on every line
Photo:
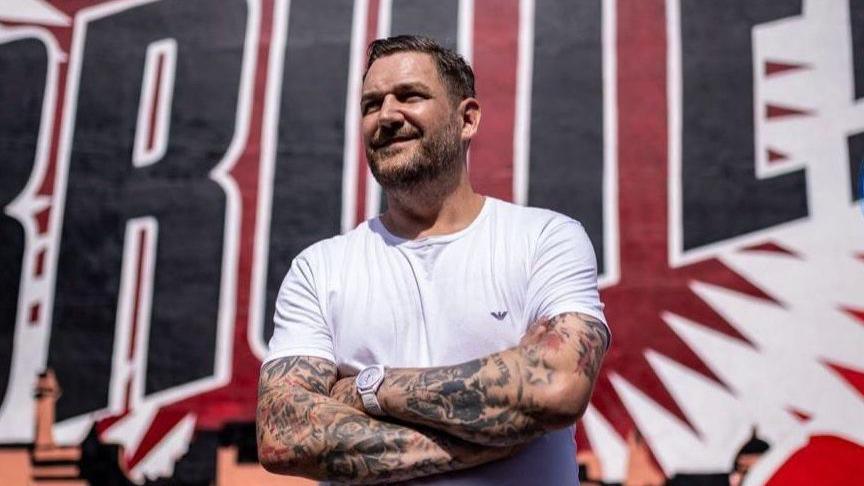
369, 297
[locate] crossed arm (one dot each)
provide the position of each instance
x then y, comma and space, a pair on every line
509, 397
302, 431
450, 417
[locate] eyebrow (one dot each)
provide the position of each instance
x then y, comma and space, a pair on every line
399, 88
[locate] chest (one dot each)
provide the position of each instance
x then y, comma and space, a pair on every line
427, 306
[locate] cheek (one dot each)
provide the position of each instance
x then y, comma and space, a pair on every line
367, 128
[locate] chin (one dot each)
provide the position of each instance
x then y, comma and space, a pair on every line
389, 164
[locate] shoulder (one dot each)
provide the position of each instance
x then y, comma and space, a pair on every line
321, 265
532, 220
337, 247
541, 234
329, 259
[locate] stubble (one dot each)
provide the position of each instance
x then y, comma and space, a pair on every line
436, 160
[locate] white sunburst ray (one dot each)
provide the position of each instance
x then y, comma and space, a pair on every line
610, 447
677, 447
816, 285
791, 370
162, 459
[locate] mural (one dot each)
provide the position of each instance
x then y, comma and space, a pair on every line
164, 160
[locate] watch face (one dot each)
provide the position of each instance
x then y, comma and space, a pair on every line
367, 377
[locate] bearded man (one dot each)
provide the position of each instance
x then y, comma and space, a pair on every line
456, 338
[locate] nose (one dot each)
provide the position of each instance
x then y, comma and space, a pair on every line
391, 116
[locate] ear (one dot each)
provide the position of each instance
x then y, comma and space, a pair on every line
469, 111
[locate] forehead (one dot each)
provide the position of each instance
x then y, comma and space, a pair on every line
402, 68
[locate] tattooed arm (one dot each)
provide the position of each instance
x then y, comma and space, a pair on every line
509, 397
302, 431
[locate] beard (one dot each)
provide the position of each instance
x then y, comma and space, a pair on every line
435, 159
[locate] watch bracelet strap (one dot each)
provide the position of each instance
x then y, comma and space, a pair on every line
370, 403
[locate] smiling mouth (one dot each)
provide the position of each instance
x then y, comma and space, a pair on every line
393, 142
399, 141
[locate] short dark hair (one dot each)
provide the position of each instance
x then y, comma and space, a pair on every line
754, 446
454, 71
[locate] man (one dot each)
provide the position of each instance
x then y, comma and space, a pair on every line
750, 454
429, 305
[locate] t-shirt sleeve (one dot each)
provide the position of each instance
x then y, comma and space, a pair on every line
300, 327
563, 274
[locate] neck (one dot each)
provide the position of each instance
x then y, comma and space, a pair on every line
437, 208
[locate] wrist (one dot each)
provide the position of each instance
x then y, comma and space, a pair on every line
383, 395
367, 384
395, 390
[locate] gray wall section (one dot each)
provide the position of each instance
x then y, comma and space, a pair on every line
23, 70
438, 20
856, 18
104, 190
856, 141
307, 185
855, 144
566, 156
722, 198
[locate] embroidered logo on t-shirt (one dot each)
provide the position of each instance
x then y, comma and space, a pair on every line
499, 315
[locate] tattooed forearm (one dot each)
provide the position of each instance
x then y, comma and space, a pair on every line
508, 397
302, 431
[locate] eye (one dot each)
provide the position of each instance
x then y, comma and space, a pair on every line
370, 107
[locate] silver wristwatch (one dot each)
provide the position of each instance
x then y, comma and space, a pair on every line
367, 382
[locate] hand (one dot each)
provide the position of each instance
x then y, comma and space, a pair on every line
345, 391
475, 455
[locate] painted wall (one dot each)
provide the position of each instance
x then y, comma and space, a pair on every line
163, 161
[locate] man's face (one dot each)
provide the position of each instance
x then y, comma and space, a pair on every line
411, 129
